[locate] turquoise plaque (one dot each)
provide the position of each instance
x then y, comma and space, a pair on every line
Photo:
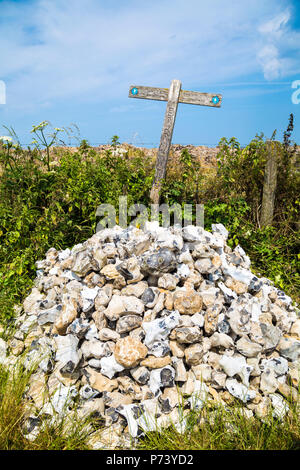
215, 99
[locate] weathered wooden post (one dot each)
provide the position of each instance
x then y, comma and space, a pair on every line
270, 182
173, 96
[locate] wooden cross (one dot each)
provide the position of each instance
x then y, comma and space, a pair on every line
173, 96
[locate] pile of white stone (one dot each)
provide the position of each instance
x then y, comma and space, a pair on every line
137, 327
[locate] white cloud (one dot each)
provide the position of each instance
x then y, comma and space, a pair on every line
91, 51
269, 59
278, 53
275, 26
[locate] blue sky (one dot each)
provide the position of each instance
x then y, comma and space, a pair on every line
73, 62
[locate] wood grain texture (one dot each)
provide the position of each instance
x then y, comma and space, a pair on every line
187, 97
165, 141
270, 182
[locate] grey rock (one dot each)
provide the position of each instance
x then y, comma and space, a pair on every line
127, 323
163, 261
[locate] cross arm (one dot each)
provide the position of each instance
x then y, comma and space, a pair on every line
189, 97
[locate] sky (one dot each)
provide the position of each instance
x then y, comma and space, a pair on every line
72, 62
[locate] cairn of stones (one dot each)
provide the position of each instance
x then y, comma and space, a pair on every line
138, 327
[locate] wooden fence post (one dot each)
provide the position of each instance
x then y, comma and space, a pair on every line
270, 182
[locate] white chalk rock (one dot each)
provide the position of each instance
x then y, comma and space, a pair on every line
236, 365
159, 329
239, 390
280, 406
109, 366
163, 377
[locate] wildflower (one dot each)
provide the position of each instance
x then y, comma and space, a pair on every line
5, 138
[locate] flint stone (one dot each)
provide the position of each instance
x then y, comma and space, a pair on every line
94, 280
123, 305
31, 303
204, 266
169, 399
229, 294
221, 230
239, 321
110, 366
278, 364
209, 296
100, 382
130, 351
202, 372
62, 398
106, 334
67, 353
177, 349
193, 354
140, 374
103, 296
127, 323
136, 290
137, 333
66, 316
218, 379
183, 271
78, 327
236, 366
197, 319
180, 370
88, 296
223, 327
158, 263
110, 272
295, 329
239, 390
159, 329
16, 347
289, 348
271, 335
160, 349
95, 349
280, 407
93, 407
247, 348
153, 362
84, 263
3, 350
188, 335
148, 297
86, 393
115, 399
238, 274
211, 319
221, 340
159, 378
268, 381
100, 320
237, 286
192, 233
168, 281
187, 302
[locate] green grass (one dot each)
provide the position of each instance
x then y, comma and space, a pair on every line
217, 428
212, 428
14, 411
